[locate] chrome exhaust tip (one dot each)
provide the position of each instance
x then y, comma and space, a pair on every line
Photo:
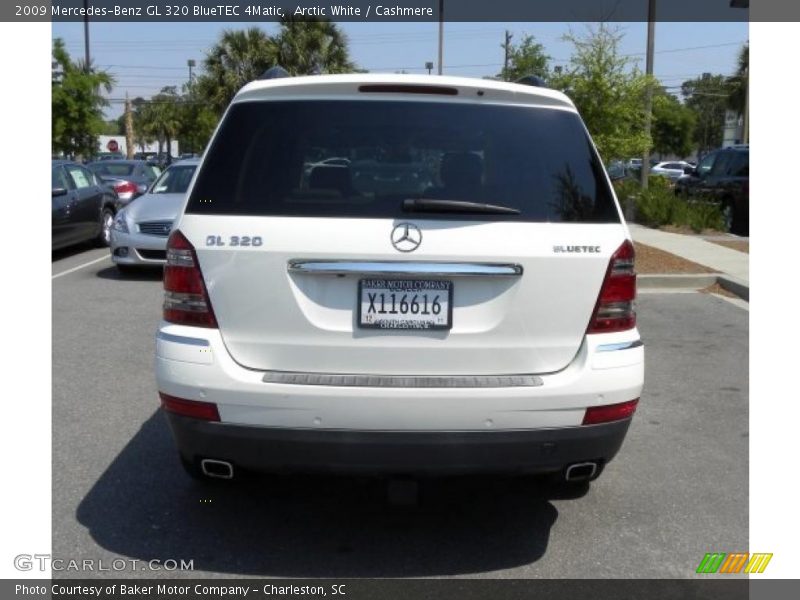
218, 469
581, 471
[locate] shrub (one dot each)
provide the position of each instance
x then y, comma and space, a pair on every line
658, 206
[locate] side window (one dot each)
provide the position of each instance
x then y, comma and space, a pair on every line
80, 176
722, 163
704, 166
60, 179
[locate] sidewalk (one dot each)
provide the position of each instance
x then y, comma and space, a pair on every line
732, 263
732, 268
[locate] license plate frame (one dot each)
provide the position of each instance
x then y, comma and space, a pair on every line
405, 286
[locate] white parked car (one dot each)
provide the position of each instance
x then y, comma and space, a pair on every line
672, 169
314, 321
140, 230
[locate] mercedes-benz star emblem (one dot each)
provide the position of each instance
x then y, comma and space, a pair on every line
406, 237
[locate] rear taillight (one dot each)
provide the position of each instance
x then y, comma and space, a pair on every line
186, 299
614, 310
125, 187
207, 411
610, 412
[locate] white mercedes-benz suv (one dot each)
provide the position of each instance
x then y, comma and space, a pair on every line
453, 293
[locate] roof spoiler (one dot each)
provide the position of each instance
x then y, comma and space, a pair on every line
533, 80
276, 72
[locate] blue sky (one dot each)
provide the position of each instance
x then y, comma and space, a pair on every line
147, 56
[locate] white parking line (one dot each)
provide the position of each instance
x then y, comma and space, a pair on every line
73, 269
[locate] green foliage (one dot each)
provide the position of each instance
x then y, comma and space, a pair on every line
707, 97
737, 84
658, 206
77, 104
302, 47
608, 92
673, 126
526, 58
169, 115
113, 128
308, 47
237, 59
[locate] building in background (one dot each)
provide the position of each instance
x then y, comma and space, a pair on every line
733, 130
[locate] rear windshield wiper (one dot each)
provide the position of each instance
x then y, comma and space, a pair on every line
455, 206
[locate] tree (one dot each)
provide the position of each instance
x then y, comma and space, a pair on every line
737, 84
197, 120
309, 47
673, 126
302, 47
608, 91
707, 97
525, 58
237, 59
160, 117
77, 104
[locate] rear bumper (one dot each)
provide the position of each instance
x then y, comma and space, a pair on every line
274, 425
436, 452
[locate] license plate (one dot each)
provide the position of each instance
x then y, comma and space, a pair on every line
405, 304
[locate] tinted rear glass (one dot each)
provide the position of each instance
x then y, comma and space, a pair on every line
363, 158
106, 168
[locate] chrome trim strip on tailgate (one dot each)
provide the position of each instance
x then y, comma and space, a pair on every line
619, 346
180, 339
400, 381
403, 268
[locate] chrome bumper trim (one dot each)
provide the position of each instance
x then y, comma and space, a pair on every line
404, 268
402, 381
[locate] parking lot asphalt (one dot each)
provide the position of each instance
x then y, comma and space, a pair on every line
678, 488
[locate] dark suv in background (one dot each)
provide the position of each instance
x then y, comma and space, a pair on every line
722, 176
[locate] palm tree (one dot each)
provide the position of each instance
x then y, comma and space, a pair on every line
161, 116
309, 47
238, 58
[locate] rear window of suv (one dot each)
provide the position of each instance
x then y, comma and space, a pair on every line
364, 158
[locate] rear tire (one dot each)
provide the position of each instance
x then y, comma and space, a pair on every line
106, 223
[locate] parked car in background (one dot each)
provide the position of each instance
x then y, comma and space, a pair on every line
415, 310
129, 178
670, 169
722, 177
107, 156
140, 231
83, 207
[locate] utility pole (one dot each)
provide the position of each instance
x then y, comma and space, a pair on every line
441, 34
129, 133
87, 57
191, 64
506, 47
648, 101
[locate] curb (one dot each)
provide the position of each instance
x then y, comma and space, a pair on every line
695, 282
677, 280
735, 286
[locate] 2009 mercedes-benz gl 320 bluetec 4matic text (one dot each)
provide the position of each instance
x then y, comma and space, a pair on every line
399, 274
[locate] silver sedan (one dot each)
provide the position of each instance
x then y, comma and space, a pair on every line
140, 231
